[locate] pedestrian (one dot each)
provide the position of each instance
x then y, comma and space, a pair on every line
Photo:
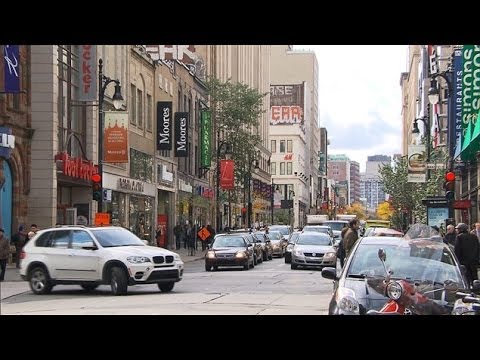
18, 239
467, 250
185, 235
211, 230
450, 236
351, 236
341, 247
4, 254
178, 232
158, 235
476, 230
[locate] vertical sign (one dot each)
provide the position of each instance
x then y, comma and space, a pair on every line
11, 68
88, 73
115, 137
205, 136
181, 134
416, 163
457, 93
227, 179
164, 125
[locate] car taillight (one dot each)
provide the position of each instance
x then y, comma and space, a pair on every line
23, 254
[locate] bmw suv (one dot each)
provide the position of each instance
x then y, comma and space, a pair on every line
91, 256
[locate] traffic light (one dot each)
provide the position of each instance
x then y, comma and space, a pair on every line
97, 187
449, 186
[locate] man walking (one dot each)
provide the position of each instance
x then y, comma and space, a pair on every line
450, 236
351, 236
4, 254
18, 239
467, 250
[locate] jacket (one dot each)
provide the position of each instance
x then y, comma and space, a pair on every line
4, 248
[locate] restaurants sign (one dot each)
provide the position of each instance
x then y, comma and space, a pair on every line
88, 73
77, 168
131, 185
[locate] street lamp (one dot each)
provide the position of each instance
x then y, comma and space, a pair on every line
291, 194
273, 187
249, 193
228, 151
103, 82
416, 130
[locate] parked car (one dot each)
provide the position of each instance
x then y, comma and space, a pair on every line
419, 261
90, 256
289, 248
257, 247
337, 226
313, 249
265, 243
230, 250
277, 241
325, 229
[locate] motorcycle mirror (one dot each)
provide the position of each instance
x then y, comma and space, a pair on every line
382, 255
450, 285
476, 286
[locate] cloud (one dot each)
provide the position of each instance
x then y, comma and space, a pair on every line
360, 98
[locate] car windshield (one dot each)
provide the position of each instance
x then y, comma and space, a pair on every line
282, 229
259, 236
293, 237
313, 239
229, 241
275, 235
336, 225
416, 260
116, 237
322, 229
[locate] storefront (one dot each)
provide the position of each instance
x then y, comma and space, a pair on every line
132, 204
184, 202
165, 205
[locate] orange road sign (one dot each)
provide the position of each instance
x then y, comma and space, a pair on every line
204, 234
102, 219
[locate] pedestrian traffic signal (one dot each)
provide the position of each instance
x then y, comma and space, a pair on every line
97, 187
449, 185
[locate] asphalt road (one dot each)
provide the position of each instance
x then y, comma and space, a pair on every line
271, 288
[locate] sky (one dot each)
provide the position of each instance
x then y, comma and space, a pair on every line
360, 99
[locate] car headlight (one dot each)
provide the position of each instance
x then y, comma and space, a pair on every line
276, 246
394, 290
211, 254
346, 301
138, 259
177, 257
329, 255
289, 247
240, 254
298, 253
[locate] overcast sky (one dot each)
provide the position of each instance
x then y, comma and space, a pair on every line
360, 98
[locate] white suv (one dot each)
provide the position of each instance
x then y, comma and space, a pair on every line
90, 256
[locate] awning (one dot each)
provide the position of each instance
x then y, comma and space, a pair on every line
471, 141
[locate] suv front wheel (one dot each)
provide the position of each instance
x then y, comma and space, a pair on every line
118, 281
166, 287
39, 281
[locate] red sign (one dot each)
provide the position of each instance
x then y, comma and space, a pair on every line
462, 204
76, 167
227, 178
102, 219
116, 137
204, 233
288, 157
162, 221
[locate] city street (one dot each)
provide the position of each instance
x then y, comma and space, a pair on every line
271, 288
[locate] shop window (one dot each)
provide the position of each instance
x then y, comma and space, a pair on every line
141, 166
141, 216
116, 208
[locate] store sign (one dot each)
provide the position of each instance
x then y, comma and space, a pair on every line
88, 73
183, 186
131, 185
205, 139
75, 167
164, 125
7, 142
115, 138
11, 73
163, 173
181, 134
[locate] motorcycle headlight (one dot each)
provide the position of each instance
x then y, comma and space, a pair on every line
211, 254
394, 290
240, 254
329, 255
138, 259
298, 253
347, 302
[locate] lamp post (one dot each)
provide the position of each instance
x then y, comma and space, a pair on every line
291, 194
416, 130
228, 151
249, 192
273, 188
103, 82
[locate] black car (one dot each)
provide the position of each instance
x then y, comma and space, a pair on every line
230, 250
419, 261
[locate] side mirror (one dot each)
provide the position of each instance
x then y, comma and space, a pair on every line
382, 255
249, 245
267, 241
329, 273
476, 286
450, 285
145, 242
89, 246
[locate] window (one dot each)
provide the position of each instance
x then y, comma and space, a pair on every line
140, 108
282, 168
81, 238
60, 239
273, 146
282, 146
133, 104
289, 168
43, 240
148, 120
141, 166
289, 146
273, 168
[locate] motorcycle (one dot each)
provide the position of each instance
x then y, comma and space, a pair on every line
406, 298
468, 303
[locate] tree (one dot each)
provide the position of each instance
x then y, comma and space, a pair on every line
385, 211
407, 196
357, 209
